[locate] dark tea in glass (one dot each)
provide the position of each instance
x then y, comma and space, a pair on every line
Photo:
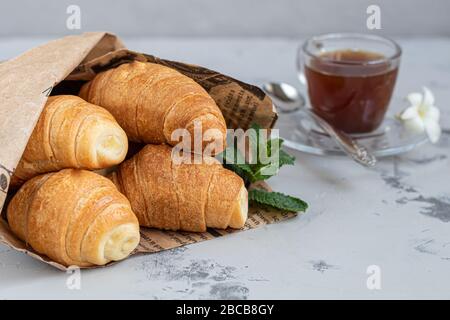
351, 86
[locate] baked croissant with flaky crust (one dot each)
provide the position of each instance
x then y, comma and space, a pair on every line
151, 101
75, 217
71, 133
179, 196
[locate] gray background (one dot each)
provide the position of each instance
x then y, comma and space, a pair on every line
231, 18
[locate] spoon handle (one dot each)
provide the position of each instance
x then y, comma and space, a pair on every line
350, 146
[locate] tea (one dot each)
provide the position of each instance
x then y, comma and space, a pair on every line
351, 89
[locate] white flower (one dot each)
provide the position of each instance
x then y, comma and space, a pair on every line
422, 115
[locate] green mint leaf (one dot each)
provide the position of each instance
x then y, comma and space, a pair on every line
261, 169
277, 200
274, 144
242, 170
232, 156
233, 160
261, 173
255, 126
265, 171
286, 158
254, 141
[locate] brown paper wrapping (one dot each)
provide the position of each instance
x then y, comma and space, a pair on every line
61, 66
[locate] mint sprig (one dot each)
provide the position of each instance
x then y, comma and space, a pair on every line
277, 200
260, 170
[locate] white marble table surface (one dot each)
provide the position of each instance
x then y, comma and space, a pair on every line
396, 216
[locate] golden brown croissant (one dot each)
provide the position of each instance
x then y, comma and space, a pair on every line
75, 217
150, 101
71, 133
189, 197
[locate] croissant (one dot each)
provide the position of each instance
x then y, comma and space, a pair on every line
75, 217
71, 133
151, 101
189, 197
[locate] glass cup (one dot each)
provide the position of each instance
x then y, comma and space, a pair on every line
350, 78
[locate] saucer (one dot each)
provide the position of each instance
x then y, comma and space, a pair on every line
302, 134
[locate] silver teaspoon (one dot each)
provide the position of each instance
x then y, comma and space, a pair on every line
288, 99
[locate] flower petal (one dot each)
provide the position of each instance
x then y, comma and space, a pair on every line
433, 130
415, 98
414, 125
428, 97
409, 113
433, 114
